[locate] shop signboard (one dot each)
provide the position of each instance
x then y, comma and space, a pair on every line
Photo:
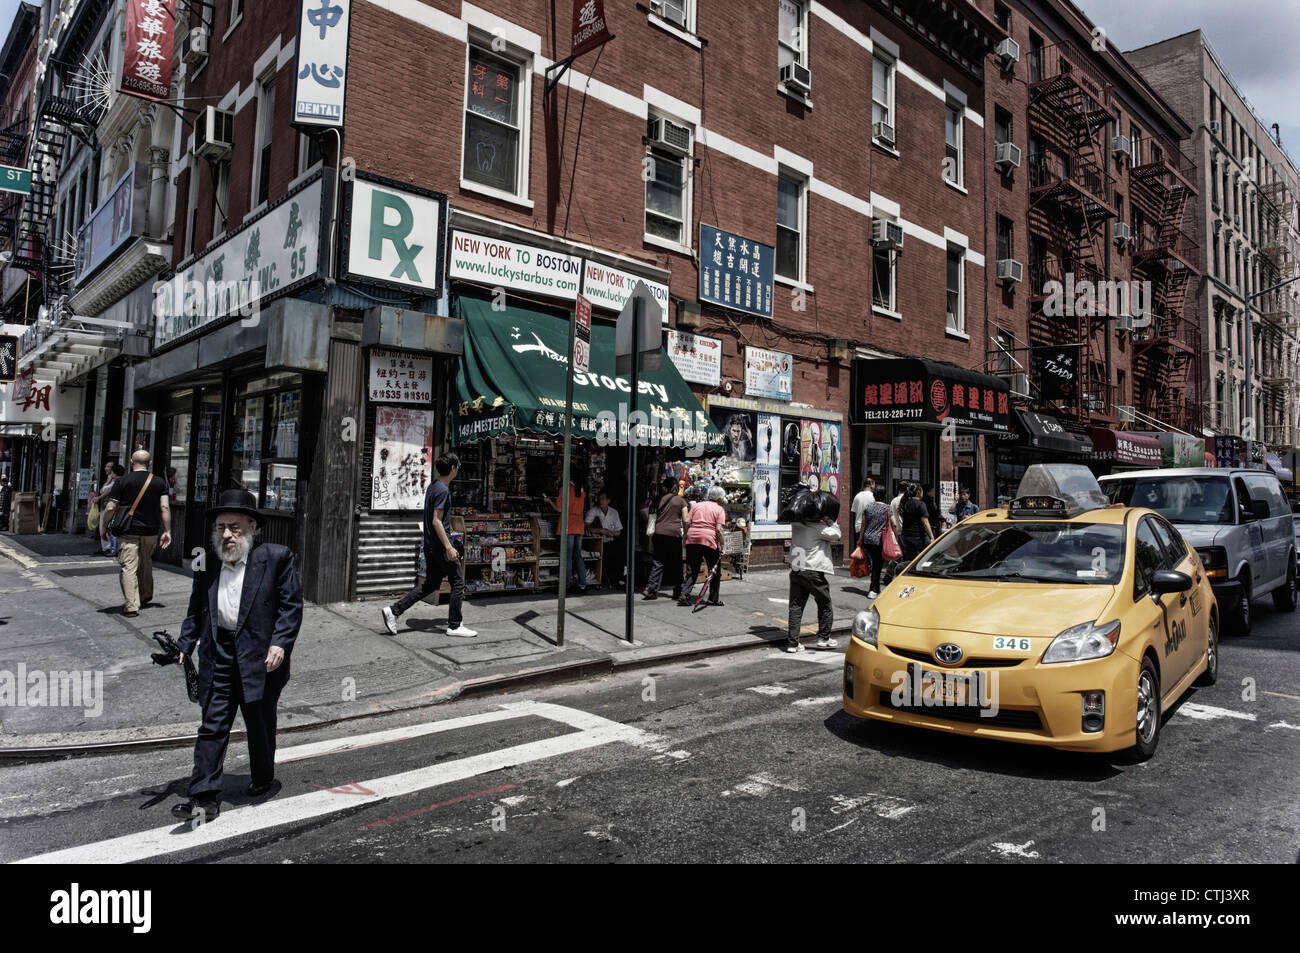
1181, 450
610, 288
403, 458
110, 226
928, 393
321, 67
395, 235
267, 258
1228, 451
497, 262
769, 373
1057, 371
150, 34
698, 358
736, 272
400, 377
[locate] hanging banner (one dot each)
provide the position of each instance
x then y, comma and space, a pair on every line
150, 33
321, 68
1057, 371
589, 29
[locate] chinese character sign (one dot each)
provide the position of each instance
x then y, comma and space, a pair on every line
150, 34
320, 72
589, 29
400, 378
735, 272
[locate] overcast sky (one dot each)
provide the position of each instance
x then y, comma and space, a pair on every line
1255, 41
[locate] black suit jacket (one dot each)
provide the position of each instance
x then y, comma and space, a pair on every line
270, 613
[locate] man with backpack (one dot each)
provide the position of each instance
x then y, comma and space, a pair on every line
141, 498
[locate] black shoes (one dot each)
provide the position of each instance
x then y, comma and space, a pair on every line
718, 602
193, 808
257, 790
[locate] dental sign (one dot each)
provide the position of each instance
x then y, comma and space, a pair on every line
321, 67
395, 235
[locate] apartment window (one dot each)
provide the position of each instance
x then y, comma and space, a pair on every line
1034, 149
262, 145
952, 170
1006, 352
496, 146
676, 12
667, 199
192, 207
1001, 125
956, 288
882, 93
790, 227
1006, 244
221, 198
1002, 17
884, 277
236, 14
309, 152
792, 33
1037, 263
1214, 179
1035, 58
1135, 145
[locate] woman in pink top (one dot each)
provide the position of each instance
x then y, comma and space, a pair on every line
704, 543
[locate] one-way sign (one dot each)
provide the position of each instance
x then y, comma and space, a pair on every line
8, 358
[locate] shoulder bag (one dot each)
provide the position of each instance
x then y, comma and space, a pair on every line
122, 521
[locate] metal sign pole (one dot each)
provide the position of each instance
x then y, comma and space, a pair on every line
632, 507
563, 529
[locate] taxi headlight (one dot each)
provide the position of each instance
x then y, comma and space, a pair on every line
865, 625
1086, 641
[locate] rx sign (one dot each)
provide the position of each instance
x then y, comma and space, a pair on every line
395, 235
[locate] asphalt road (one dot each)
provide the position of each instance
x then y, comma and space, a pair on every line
737, 759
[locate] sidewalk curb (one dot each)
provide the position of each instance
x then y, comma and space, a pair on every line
26, 562
506, 681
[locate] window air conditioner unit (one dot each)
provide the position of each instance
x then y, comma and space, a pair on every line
883, 132
670, 135
1010, 270
1009, 51
1123, 232
1120, 144
884, 232
1124, 322
195, 45
1125, 413
1019, 384
673, 13
214, 133
1007, 155
797, 77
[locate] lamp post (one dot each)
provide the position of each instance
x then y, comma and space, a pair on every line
1250, 352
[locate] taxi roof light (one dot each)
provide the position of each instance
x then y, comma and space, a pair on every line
1060, 490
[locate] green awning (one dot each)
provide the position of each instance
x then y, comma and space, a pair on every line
511, 378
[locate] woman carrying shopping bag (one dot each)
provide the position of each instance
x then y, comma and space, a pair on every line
669, 521
875, 524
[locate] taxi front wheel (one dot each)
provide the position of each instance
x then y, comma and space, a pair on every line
1148, 713
1211, 673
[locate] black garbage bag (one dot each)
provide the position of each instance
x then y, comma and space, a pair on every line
828, 506
799, 505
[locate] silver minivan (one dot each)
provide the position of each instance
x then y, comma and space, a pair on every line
1239, 522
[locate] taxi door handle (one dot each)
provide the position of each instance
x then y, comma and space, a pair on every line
1182, 600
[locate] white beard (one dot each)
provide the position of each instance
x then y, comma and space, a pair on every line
236, 552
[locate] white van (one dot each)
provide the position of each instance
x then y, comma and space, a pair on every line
1239, 522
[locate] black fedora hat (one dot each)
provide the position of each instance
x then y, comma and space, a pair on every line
237, 501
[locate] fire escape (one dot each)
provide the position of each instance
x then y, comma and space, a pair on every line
1165, 357
1071, 198
1278, 311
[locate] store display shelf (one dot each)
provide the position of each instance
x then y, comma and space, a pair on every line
480, 562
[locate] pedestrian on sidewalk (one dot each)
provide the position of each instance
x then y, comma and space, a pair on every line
964, 506
603, 520
440, 556
244, 615
115, 472
142, 495
810, 562
671, 520
918, 532
874, 519
861, 502
704, 544
6, 498
574, 530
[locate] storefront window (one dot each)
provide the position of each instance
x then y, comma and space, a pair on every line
264, 440
181, 437
246, 450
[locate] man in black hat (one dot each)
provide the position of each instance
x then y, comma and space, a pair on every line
244, 615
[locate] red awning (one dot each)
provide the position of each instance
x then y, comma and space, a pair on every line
1128, 449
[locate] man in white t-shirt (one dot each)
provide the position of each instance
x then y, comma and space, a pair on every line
860, 504
602, 520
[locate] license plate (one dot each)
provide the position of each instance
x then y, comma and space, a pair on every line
965, 689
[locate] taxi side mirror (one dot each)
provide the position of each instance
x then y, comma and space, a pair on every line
1169, 580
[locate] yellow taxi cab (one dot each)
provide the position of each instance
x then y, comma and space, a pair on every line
1057, 620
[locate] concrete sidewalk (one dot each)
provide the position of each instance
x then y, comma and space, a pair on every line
62, 612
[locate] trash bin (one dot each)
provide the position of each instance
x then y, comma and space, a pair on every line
25, 516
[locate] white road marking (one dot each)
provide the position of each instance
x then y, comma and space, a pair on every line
771, 690
762, 783
1016, 850
780, 602
592, 731
1283, 724
1210, 712
819, 700
678, 755
369, 740
882, 805
841, 827
816, 656
516, 800
565, 783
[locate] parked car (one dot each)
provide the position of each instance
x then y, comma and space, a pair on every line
1060, 621
1239, 522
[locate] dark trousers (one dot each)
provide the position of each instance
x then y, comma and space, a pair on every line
805, 583
219, 715
666, 570
877, 563
614, 555
697, 553
912, 546
437, 568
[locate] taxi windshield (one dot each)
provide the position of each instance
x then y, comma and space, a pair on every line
1024, 551
1190, 499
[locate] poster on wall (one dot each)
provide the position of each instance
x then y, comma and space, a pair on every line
830, 468
737, 427
790, 445
403, 458
767, 494
768, 436
810, 457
